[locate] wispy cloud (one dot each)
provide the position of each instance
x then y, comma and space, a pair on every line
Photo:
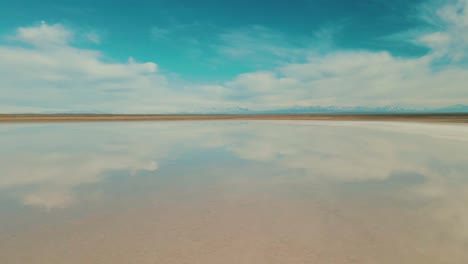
451, 37
257, 43
371, 77
93, 37
158, 33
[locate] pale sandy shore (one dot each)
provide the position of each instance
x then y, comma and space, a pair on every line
446, 118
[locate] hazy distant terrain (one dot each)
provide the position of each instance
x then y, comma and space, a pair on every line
453, 118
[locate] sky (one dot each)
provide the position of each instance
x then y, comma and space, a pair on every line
199, 56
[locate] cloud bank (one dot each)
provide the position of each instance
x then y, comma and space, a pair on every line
42, 69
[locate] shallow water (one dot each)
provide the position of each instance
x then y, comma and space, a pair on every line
234, 192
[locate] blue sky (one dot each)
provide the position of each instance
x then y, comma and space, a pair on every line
172, 56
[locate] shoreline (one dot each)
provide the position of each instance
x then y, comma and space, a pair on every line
31, 118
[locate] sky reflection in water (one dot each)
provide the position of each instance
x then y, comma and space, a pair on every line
234, 192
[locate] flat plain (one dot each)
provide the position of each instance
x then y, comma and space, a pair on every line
450, 118
234, 192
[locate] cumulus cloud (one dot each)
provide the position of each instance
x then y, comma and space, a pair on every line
378, 78
44, 35
47, 71
372, 78
54, 74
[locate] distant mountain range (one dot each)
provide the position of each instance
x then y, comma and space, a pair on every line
338, 110
301, 110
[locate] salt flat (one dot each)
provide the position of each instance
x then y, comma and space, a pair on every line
451, 118
238, 191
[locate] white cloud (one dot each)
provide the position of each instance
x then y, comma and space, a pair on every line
52, 73
258, 84
356, 78
44, 35
353, 78
452, 21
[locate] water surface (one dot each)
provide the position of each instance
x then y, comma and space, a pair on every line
234, 192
